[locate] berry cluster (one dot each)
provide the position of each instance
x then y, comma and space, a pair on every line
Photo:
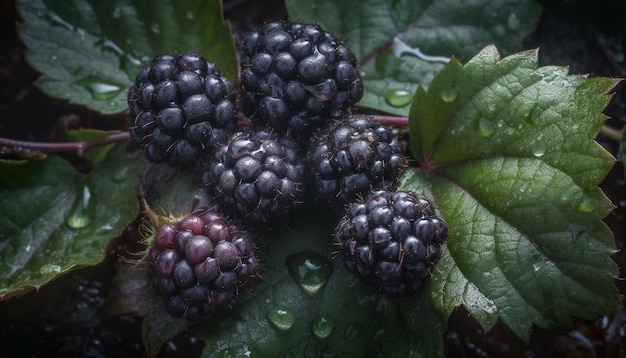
201, 263
298, 83
297, 77
353, 156
391, 240
180, 106
258, 175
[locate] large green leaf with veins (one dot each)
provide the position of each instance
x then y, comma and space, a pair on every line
54, 219
507, 152
402, 43
89, 51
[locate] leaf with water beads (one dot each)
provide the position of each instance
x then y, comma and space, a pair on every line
511, 162
54, 219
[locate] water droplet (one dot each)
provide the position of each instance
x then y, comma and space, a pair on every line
586, 205
353, 331
449, 95
54, 58
227, 353
120, 174
310, 270
536, 267
485, 127
513, 22
398, 97
49, 269
117, 13
323, 326
539, 148
281, 318
100, 90
83, 210
156, 28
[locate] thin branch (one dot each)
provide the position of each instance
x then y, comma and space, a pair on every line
612, 133
392, 120
78, 147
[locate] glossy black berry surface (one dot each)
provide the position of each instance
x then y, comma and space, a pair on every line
297, 77
391, 240
180, 107
257, 176
353, 156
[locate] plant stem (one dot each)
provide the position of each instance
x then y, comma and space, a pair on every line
78, 147
392, 120
612, 133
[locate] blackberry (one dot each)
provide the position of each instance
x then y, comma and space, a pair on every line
200, 264
180, 107
257, 175
391, 240
297, 76
353, 156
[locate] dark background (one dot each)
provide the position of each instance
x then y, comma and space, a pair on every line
69, 318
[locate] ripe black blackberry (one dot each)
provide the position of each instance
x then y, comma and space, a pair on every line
257, 176
180, 107
296, 77
353, 156
391, 240
201, 264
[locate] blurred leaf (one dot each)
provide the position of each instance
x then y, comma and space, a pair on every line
402, 43
507, 152
53, 219
89, 51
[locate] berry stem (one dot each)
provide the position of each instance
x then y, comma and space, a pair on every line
392, 120
78, 147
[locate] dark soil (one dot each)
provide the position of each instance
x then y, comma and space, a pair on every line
69, 316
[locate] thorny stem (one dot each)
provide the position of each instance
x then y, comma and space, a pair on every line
78, 147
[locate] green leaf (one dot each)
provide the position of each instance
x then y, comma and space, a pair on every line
332, 313
89, 51
363, 323
507, 152
54, 219
402, 43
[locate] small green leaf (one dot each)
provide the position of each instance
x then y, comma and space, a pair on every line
402, 43
89, 51
507, 152
53, 219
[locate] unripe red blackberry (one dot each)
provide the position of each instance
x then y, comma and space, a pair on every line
352, 157
391, 240
201, 264
180, 108
256, 176
296, 77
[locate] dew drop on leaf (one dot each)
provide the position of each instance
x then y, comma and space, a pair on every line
539, 148
449, 95
83, 209
99, 89
310, 270
586, 205
513, 22
281, 318
485, 127
49, 269
398, 98
323, 326
117, 13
